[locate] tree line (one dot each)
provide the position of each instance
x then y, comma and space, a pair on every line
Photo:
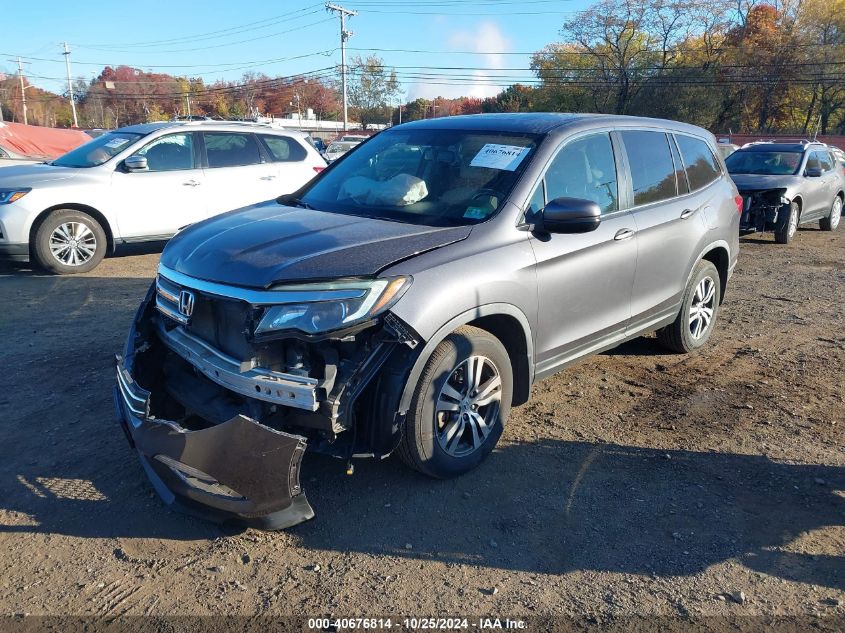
727, 65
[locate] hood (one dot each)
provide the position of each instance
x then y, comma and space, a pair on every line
268, 243
34, 175
754, 182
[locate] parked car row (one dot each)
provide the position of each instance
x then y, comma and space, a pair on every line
404, 299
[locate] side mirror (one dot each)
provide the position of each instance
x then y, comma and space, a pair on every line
813, 172
136, 163
570, 215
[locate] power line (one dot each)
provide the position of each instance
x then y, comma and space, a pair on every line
228, 66
210, 34
224, 45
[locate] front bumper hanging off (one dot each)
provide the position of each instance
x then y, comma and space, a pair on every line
763, 210
239, 470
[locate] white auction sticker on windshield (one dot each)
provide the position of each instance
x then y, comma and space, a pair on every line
495, 156
117, 142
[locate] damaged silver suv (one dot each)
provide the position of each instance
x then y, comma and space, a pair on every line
409, 296
787, 184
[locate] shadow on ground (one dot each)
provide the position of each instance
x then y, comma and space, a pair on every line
549, 506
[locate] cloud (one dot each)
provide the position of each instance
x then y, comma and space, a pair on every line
489, 42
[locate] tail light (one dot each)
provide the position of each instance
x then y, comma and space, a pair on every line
319, 169
739, 204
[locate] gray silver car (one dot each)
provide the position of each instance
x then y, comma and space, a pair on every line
784, 185
411, 294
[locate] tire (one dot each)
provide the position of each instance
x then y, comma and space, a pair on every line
786, 228
702, 291
82, 237
832, 220
444, 444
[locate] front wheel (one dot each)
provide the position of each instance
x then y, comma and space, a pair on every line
460, 405
788, 225
68, 242
699, 308
832, 221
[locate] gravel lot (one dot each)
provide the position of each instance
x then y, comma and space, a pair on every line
637, 482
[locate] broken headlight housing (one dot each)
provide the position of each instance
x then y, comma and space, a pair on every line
355, 301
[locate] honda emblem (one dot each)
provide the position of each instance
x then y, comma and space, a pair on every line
186, 303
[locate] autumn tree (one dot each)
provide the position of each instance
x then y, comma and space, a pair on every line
372, 88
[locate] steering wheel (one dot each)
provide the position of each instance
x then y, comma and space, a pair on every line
491, 193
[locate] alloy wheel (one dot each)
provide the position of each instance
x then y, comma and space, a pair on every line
793, 221
702, 308
468, 406
836, 213
73, 243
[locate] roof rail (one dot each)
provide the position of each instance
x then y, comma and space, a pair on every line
213, 122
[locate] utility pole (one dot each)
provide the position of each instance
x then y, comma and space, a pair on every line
344, 35
23, 91
188, 105
70, 85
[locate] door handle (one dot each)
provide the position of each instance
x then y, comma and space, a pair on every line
267, 178
624, 234
191, 183
687, 213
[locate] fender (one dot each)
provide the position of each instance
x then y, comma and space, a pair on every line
711, 246
489, 309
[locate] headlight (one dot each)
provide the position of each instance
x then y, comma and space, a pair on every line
356, 301
7, 196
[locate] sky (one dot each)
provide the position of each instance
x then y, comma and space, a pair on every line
468, 40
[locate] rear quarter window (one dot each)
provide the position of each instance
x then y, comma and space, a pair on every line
283, 149
701, 165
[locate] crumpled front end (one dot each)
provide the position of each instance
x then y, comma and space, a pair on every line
763, 210
232, 469
221, 416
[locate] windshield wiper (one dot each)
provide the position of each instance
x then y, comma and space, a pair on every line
291, 201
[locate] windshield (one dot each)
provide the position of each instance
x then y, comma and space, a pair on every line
97, 151
431, 177
763, 163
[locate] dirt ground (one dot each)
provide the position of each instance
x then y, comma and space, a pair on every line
637, 482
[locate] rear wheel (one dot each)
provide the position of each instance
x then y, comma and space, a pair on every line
460, 405
68, 242
832, 221
699, 308
787, 225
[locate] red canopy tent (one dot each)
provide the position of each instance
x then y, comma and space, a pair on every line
40, 142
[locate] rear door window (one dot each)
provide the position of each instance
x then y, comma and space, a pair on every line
227, 149
585, 168
825, 161
652, 169
702, 168
282, 149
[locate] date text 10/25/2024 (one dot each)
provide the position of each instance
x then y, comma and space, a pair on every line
416, 624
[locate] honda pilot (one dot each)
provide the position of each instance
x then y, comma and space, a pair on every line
409, 296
